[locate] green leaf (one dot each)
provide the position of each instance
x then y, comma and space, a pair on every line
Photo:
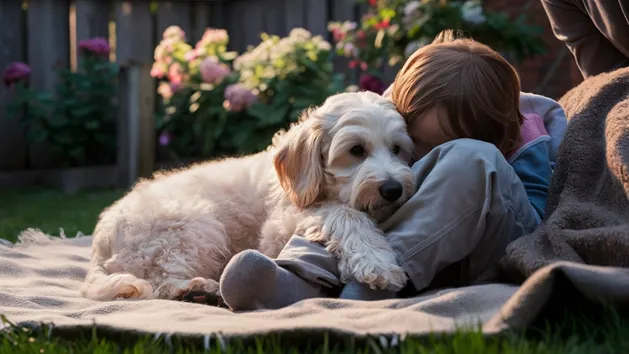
241, 135
64, 138
303, 103
92, 124
82, 111
37, 135
76, 151
276, 118
260, 111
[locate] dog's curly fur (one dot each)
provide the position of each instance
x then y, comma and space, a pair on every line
321, 179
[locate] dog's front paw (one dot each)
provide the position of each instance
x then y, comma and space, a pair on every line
376, 269
312, 229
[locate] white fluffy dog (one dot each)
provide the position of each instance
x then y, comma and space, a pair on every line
331, 178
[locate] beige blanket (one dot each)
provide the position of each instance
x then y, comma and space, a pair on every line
588, 223
39, 282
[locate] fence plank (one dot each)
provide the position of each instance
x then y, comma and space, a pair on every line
134, 32
235, 30
92, 18
317, 12
245, 23
88, 19
295, 14
13, 149
202, 14
171, 13
48, 49
219, 15
274, 16
253, 25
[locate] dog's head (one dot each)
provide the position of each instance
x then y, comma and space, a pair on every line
354, 148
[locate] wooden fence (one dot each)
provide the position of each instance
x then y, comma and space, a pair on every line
45, 33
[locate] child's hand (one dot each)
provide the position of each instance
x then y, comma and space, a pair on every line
531, 129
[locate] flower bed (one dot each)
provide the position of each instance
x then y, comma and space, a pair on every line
216, 103
78, 120
391, 30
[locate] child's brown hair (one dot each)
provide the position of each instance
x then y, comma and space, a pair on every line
476, 88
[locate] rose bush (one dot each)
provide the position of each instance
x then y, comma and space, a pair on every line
216, 103
78, 119
391, 30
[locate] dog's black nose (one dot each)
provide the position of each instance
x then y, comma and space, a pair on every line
391, 190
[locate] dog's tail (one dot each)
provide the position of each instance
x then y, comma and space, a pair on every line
100, 285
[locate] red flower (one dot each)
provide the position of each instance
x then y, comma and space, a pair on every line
383, 24
357, 63
373, 2
371, 83
15, 72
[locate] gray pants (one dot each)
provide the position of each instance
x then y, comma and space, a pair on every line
470, 204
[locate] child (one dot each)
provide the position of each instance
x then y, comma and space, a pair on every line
484, 155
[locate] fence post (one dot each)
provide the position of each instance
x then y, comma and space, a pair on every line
136, 124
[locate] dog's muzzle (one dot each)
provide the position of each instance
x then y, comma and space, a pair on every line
391, 190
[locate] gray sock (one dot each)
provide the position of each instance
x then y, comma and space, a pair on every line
253, 281
359, 291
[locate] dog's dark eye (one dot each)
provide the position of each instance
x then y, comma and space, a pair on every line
357, 151
396, 149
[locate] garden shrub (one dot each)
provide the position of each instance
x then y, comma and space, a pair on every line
78, 119
391, 30
216, 103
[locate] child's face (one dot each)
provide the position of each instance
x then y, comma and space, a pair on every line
427, 131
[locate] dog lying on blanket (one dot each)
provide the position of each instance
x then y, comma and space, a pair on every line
331, 177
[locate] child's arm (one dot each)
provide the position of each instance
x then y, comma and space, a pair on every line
553, 117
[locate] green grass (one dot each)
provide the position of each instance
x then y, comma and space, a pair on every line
50, 210
610, 336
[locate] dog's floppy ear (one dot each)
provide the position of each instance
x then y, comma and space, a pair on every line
298, 161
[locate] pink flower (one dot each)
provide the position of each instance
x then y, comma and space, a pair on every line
15, 72
165, 90
350, 50
175, 73
157, 71
338, 34
213, 71
174, 32
371, 83
192, 55
214, 35
238, 98
164, 139
95, 46
176, 87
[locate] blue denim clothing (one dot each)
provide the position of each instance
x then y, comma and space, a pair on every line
542, 132
532, 164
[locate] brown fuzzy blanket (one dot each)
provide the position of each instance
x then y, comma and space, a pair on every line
587, 217
586, 230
